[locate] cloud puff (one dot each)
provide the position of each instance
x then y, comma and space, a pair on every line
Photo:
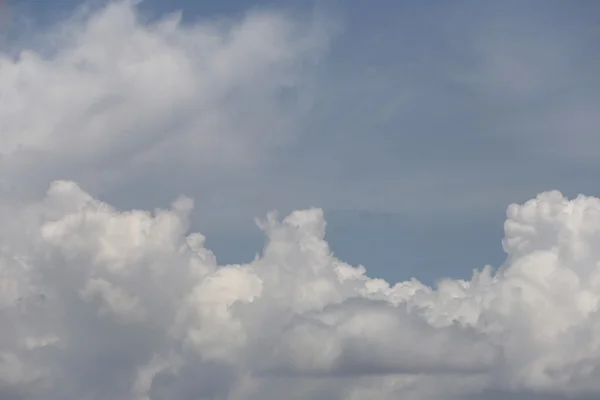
111, 91
98, 302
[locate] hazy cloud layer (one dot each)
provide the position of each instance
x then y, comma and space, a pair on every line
111, 92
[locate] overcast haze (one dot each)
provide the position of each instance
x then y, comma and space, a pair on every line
424, 158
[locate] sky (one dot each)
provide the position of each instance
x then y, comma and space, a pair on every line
412, 120
317, 199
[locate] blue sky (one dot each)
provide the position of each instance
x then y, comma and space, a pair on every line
425, 121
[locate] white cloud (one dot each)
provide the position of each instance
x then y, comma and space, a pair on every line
109, 92
89, 311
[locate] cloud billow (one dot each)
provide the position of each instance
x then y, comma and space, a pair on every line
129, 304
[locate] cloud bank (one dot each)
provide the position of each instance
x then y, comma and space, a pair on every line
97, 302
102, 303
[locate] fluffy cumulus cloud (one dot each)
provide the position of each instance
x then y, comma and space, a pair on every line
98, 302
101, 303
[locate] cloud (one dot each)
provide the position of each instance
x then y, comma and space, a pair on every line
111, 91
98, 302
